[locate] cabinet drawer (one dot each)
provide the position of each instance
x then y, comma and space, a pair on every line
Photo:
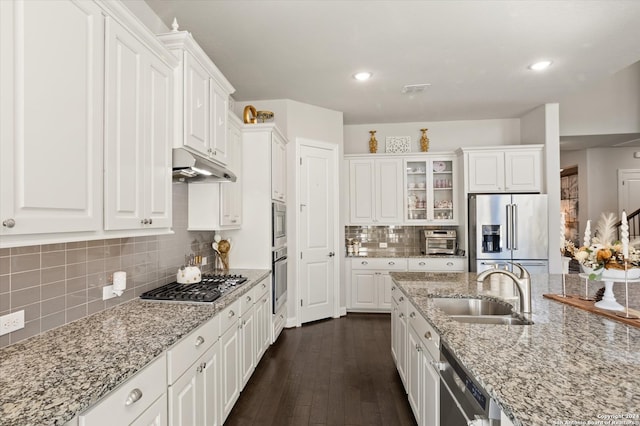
188, 349
427, 334
262, 288
247, 300
438, 264
123, 405
387, 264
229, 316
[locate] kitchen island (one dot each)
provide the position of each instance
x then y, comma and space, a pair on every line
50, 378
569, 367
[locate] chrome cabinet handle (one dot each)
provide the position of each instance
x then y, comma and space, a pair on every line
248, 298
392, 263
231, 314
9, 223
393, 287
199, 341
412, 315
418, 348
133, 397
150, 221
401, 299
428, 335
401, 315
421, 263
264, 285
364, 262
331, 254
449, 263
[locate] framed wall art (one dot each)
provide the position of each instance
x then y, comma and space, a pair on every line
398, 144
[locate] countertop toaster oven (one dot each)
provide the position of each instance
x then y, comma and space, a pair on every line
438, 241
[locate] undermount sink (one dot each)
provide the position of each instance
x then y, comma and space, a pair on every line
491, 319
479, 311
474, 307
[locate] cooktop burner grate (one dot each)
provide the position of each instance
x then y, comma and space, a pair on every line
206, 291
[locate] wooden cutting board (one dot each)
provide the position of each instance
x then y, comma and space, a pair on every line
588, 305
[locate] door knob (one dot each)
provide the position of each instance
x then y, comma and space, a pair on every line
331, 254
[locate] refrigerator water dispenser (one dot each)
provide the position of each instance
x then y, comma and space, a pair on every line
491, 239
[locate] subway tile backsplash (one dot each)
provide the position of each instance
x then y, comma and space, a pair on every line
401, 240
58, 283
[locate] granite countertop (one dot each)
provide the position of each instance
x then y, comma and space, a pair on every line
569, 367
52, 377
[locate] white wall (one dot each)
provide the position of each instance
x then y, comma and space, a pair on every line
541, 125
443, 135
598, 178
609, 107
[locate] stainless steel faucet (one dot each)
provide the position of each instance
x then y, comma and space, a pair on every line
523, 283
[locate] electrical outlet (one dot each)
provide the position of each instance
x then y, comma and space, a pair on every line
11, 322
107, 292
382, 245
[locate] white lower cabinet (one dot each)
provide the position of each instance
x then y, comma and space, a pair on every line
423, 381
371, 284
230, 357
156, 415
438, 264
132, 399
399, 333
247, 330
263, 318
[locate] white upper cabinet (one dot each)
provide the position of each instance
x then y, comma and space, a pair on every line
431, 189
138, 130
504, 169
202, 99
375, 191
51, 112
278, 168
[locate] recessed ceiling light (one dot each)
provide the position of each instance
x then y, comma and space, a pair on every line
539, 66
362, 76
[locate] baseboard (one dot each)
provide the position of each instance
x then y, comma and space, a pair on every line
343, 311
291, 322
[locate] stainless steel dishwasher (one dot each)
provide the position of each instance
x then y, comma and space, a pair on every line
462, 400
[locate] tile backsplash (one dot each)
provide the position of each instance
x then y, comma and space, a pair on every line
401, 240
58, 283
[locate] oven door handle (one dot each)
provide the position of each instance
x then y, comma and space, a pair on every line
479, 420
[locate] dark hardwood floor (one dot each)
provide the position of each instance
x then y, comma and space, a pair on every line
330, 372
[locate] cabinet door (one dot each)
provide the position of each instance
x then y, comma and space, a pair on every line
124, 150
209, 382
430, 392
401, 352
364, 290
414, 364
442, 191
522, 170
231, 192
158, 142
385, 282
361, 191
394, 332
51, 156
263, 324
388, 195
230, 370
247, 345
278, 169
486, 171
156, 415
197, 105
219, 110
185, 399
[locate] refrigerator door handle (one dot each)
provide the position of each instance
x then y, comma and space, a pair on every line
509, 230
514, 226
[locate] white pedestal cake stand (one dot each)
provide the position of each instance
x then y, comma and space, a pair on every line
608, 299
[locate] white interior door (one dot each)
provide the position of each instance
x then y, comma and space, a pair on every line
317, 229
628, 190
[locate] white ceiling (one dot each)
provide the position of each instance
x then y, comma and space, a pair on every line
474, 53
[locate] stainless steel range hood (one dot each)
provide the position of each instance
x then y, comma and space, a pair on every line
190, 167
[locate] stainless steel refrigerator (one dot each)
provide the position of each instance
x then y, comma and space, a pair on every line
508, 228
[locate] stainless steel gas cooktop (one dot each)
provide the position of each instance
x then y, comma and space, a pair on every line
206, 291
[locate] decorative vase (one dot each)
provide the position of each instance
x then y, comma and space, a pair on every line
373, 142
424, 141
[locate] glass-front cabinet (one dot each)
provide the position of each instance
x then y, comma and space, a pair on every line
430, 194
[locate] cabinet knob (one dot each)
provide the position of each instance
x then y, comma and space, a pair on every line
9, 223
412, 315
449, 263
150, 221
421, 263
248, 298
428, 335
401, 299
231, 314
401, 315
418, 349
364, 262
144, 221
393, 287
133, 397
331, 254
392, 263
199, 341
234, 221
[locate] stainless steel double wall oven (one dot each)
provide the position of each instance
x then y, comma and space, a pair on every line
279, 254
